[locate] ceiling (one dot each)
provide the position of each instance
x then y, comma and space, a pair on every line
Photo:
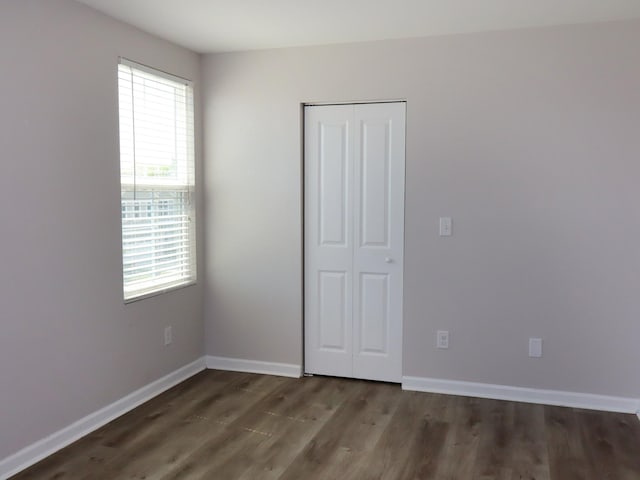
230, 25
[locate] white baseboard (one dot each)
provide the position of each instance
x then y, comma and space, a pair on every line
520, 394
60, 439
254, 366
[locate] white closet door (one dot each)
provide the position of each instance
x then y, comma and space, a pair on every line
354, 217
329, 240
378, 206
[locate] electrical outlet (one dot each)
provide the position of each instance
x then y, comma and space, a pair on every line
168, 335
442, 339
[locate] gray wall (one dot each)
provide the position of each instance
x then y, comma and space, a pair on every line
68, 344
528, 139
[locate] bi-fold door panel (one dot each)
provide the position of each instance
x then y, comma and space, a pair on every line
329, 240
379, 238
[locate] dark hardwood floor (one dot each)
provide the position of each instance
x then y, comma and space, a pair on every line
224, 425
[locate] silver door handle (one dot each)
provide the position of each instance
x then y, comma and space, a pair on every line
388, 260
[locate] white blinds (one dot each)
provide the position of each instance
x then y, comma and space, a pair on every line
157, 180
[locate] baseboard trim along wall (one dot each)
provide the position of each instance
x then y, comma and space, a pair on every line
60, 439
254, 366
519, 394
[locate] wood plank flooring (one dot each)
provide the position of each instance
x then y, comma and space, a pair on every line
226, 426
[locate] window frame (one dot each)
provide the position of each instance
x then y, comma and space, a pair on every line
185, 189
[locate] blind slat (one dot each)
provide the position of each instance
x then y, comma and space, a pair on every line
160, 264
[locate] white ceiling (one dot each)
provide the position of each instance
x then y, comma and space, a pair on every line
231, 25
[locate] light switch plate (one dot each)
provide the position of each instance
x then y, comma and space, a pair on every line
535, 347
446, 226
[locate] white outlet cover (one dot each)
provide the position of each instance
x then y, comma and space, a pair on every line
442, 339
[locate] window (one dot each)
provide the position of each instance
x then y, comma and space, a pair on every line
157, 180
